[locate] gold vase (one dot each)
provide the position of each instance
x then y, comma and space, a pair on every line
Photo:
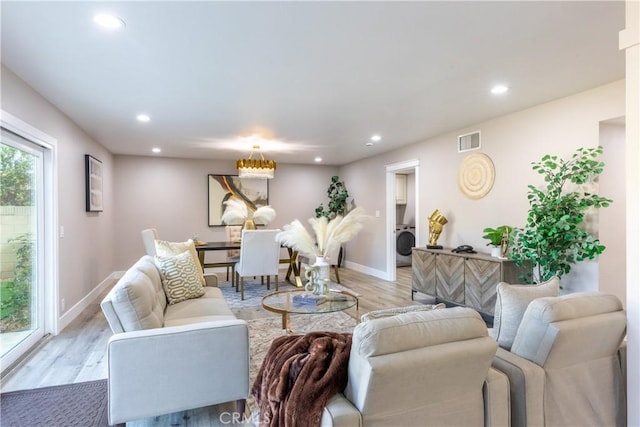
249, 224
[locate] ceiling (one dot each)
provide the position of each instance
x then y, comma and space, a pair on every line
319, 78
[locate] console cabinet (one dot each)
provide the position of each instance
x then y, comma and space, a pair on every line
460, 278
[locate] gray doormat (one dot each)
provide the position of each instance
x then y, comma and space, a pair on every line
80, 404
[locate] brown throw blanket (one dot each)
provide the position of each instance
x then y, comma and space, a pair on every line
299, 375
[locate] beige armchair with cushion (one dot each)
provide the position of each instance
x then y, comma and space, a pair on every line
563, 366
422, 368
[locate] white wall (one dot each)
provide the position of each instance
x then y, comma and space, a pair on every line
612, 227
171, 195
86, 251
512, 142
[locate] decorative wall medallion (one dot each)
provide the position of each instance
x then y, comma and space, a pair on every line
476, 175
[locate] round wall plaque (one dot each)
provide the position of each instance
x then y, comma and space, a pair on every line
476, 175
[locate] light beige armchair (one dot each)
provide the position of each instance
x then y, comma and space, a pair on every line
564, 366
423, 368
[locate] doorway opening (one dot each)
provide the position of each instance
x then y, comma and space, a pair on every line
403, 227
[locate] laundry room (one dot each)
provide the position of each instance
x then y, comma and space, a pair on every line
405, 218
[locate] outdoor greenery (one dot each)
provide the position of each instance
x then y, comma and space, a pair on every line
16, 189
338, 196
16, 170
554, 237
15, 296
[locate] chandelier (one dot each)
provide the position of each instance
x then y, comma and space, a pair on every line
256, 168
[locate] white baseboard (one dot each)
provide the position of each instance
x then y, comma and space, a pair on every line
366, 270
85, 302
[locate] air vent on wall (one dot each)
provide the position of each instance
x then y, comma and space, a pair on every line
469, 141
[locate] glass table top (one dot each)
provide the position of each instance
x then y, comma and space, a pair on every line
282, 302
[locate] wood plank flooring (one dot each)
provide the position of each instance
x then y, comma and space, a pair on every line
78, 353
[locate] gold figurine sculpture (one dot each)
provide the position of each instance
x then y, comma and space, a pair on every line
436, 223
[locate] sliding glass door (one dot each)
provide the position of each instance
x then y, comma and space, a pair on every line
21, 245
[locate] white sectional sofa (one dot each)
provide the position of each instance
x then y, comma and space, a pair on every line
167, 358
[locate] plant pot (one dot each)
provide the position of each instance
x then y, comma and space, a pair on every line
496, 252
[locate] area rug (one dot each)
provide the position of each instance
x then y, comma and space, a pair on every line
263, 331
80, 404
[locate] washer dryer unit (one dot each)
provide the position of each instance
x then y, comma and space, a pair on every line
405, 241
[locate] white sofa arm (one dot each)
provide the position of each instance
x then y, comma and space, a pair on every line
165, 370
340, 412
526, 383
497, 407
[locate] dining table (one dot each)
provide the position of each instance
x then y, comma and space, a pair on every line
203, 247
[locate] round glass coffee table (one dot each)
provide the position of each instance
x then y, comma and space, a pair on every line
282, 302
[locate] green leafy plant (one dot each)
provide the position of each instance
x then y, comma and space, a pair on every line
554, 237
494, 235
16, 171
338, 196
16, 295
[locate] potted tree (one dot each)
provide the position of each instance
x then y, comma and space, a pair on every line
554, 237
338, 195
498, 239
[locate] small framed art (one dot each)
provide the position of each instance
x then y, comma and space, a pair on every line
93, 172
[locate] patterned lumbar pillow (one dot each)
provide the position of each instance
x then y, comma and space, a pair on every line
387, 312
180, 278
511, 303
164, 248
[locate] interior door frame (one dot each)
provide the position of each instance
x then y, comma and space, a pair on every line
49, 222
406, 166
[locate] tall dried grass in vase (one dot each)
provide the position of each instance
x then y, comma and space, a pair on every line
328, 235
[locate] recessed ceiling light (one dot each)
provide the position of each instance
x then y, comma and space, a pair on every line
369, 144
317, 159
156, 150
143, 118
376, 138
499, 89
107, 21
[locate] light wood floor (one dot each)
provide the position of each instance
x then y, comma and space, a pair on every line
78, 353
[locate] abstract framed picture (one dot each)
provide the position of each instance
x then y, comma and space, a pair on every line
253, 192
93, 172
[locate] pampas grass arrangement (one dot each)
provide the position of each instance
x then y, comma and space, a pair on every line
237, 212
329, 235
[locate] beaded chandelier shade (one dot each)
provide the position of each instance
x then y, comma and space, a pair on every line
256, 168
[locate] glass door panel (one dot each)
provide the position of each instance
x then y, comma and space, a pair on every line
21, 236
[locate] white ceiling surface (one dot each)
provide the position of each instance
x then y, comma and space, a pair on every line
321, 77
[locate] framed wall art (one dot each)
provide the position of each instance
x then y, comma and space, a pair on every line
254, 192
93, 172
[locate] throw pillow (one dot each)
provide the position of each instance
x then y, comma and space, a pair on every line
179, 276
511, 303
164, 248
387, 312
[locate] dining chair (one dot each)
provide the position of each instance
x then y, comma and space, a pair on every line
149, 237
259, 256
234, 234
